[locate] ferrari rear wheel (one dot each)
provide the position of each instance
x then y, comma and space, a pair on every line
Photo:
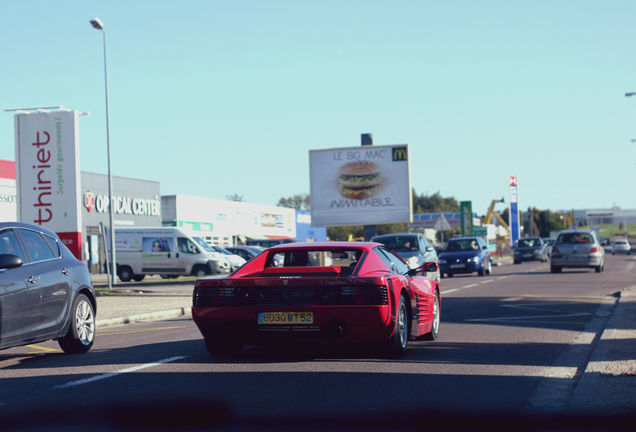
434, 333
223, 347
396, 346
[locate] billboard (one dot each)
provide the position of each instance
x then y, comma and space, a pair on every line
514, 211
48, 174
360, 185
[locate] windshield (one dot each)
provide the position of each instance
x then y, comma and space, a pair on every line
222, 250
400, 243
461, 245
206, 247
529, 242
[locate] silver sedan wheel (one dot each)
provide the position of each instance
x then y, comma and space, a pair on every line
85, 322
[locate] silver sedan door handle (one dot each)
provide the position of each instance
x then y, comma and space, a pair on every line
64, 271
32, 279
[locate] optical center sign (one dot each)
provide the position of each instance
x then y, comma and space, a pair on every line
360, 185
48, 173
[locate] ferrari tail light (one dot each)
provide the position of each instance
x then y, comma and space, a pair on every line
595, 249
555, 250
365, 295
213, 296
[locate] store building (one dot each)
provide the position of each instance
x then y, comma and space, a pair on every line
305, 232
8, 194
136, 203
226, 223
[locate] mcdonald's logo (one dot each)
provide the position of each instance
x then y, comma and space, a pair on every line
399, 154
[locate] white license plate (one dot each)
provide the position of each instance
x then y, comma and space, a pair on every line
285, 317
527, 256
576, 258
458, 265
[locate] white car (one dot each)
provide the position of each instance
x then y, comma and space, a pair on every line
235, 261
621, 246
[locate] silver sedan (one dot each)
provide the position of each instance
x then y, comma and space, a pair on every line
577, 249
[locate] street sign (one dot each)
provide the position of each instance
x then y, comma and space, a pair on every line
442, 224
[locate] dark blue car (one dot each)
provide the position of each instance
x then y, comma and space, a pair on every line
465, 255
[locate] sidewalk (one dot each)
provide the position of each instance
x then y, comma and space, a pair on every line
608, 386
152, 299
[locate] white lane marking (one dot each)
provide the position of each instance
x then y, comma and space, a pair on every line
112, 374
487, 281
469, 286
450, 290
629, 267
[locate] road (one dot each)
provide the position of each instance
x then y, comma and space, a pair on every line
514, 342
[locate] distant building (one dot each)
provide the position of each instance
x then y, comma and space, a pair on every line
597, 217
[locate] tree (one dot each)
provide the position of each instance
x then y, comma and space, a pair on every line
435, 203
235, 197
343, 233
298, 202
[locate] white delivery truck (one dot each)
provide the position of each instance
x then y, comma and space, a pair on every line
169, 252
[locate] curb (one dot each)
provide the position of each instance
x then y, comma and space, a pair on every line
149, 316
584, 391
141, 285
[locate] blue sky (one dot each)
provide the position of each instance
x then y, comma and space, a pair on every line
213, 98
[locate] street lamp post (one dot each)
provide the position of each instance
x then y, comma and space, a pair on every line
97, 23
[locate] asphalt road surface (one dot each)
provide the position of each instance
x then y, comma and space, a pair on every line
512, 347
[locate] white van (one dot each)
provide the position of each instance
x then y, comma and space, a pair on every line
169, 252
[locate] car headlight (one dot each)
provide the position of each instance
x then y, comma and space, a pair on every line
442, 261
475, 259
412, 261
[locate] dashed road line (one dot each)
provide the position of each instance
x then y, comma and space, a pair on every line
112, 374
450, 290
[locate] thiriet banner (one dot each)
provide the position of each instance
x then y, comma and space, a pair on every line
360, 185
48, 173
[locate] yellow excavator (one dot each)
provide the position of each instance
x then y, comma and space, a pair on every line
491, 213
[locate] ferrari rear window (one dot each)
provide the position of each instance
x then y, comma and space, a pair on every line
315, 258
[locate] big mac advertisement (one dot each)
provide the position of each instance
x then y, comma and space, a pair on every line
360, 185
48, 173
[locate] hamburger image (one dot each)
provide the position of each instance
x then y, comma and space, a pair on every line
359, 180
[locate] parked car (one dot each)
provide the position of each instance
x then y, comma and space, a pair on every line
465, 255
606, 241
267, 243
414, 248
621, 246
45, 292
577, 249
233, 259
530, 249
367, 294
548, 242
249, 252
245, 252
